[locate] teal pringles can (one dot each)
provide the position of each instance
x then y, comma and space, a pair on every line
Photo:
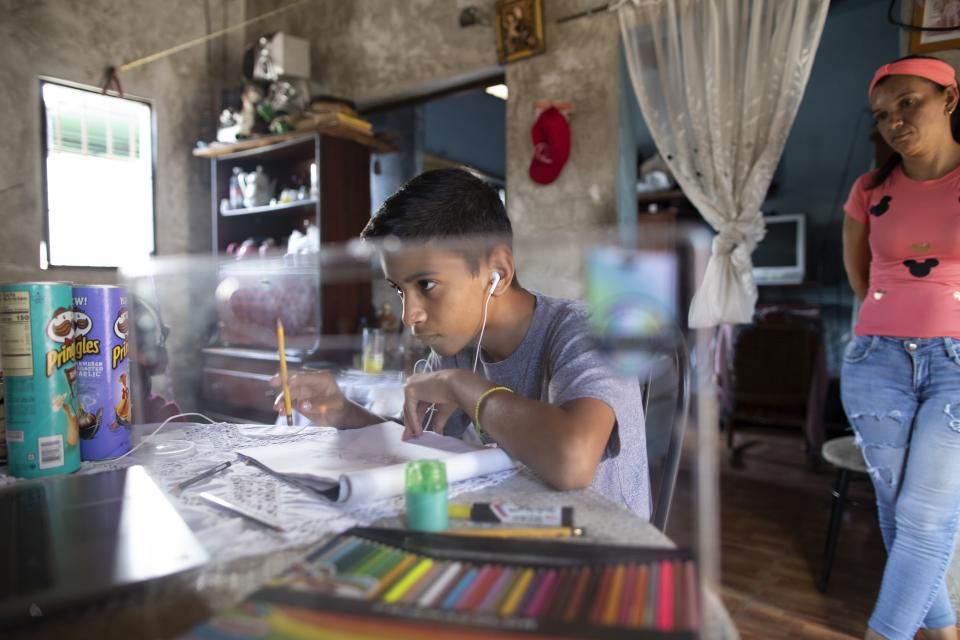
37, 334
426, 495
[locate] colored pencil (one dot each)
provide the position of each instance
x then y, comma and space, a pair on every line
441, 583
379, 553
284, 380
635, 619
427, 579
458, 590
385, 564
611, 605
539, 576
464, 570
512, 601
337, 552
552, 594
626, 598
600, 595
407, 581
650, 605
471, 600
519, 532
349, 558
496, 590
368, 551
391, 576
538, 602
586, 579
665, 597
498, 602
568, 580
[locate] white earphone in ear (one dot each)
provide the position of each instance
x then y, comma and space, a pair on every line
494, 279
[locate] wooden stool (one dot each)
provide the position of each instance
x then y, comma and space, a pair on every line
845, 455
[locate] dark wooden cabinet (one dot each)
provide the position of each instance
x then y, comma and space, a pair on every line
238, 366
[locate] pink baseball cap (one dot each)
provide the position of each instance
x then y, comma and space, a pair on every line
930, 68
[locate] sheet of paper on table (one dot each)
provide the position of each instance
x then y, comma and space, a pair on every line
354, 465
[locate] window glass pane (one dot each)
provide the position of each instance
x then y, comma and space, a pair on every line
71, 136
120, 138
96, 134
99, 177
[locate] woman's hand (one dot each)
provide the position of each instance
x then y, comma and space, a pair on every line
316, 395
425, 389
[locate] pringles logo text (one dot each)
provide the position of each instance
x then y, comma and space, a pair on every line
119, 353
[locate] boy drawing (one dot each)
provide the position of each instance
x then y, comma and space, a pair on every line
508, 365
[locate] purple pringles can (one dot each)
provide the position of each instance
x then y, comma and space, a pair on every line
103, 372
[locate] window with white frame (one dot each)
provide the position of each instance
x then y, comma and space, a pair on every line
98, 173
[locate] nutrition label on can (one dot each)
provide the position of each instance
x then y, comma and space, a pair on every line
15, 339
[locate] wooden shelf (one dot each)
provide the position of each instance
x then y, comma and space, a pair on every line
264, 144
269, 208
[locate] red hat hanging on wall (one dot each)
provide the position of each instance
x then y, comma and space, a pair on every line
551, 146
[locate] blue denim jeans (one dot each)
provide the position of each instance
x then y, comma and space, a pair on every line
902, 397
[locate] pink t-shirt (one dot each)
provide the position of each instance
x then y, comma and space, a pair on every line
914, 229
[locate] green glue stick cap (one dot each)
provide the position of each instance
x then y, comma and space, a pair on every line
426, 495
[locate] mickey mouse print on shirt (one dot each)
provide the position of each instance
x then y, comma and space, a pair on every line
921, 269
881, 207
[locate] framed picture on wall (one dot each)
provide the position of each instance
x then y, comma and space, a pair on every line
935, 13
519, 29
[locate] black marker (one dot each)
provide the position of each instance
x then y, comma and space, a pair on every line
513, 514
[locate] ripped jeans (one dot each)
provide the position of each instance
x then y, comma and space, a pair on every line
902, 398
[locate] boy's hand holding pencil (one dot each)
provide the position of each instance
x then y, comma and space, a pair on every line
316, 395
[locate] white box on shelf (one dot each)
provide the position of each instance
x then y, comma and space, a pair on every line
290, 55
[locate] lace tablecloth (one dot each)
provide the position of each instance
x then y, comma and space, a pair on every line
245, 555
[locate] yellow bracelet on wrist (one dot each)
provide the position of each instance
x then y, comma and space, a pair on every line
483, 396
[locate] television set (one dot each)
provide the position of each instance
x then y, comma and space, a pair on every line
780, 258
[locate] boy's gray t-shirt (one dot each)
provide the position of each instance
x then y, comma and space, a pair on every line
558, 361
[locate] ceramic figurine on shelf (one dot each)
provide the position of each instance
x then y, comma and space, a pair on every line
257, 188
250, 122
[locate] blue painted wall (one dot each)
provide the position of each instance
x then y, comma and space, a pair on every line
470, 128
828, 148
829, 145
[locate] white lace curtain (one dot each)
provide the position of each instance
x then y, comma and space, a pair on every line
719, 83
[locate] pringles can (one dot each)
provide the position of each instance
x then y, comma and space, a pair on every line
37, 343
103, 372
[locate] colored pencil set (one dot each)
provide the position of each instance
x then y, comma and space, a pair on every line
398, 577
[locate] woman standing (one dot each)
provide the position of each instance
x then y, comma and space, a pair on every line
901, 373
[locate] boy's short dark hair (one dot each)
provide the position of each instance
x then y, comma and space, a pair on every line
443, 203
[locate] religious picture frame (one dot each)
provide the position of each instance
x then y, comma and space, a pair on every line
519, 29
935, 13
